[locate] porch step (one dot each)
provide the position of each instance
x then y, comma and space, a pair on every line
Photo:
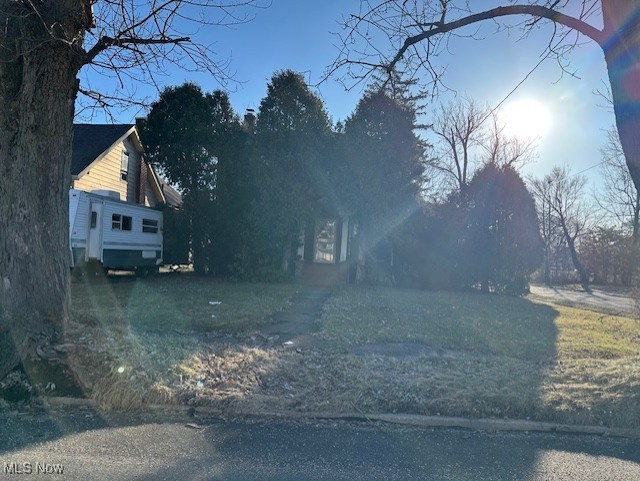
323, 275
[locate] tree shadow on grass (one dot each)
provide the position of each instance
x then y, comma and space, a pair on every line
502, 362
441, 353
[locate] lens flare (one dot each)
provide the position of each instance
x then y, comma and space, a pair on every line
526, 119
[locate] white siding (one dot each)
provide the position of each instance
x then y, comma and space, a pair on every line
120, 239
105, 173
133, 176
345, 238
149, 196
79, 222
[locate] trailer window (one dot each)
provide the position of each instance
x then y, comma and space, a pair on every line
150, 226
120, 222
94, 219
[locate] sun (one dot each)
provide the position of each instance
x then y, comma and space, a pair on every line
526, 119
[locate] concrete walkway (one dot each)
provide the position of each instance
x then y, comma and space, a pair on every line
296, 325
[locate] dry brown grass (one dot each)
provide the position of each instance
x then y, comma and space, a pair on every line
482, 357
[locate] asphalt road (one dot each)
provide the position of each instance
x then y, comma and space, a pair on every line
597, 299
93, 446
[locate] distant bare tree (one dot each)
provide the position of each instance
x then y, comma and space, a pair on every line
458, 127
562, 193
552, 235
502, 149
470, 136
413, 35
621, 198
610, 255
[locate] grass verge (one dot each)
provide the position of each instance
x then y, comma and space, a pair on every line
129, 337
378, 351
175, 302
493, 356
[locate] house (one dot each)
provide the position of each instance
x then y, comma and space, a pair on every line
326, 252
107, 160
110, 157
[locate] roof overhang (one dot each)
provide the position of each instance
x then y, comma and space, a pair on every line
137, 144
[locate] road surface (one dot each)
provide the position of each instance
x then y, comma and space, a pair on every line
597, 299
88, 445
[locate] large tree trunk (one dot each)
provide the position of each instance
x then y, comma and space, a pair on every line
622, 54
37, 94
635, 233
571, 243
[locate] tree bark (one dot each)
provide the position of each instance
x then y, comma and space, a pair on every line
571, 243
622, 54
635, 233
37, 94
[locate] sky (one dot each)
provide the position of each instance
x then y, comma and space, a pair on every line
301, 35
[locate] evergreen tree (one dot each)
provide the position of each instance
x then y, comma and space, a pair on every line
380, 174
405, 90
290, 165
186, 134
502, 244
234, 193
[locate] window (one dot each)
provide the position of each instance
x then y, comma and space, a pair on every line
325, 242
124, 165
150, 226
94, 219
121, 222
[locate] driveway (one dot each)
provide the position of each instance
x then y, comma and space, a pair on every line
620, 302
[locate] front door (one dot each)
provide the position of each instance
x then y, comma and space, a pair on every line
94, 244
324, 246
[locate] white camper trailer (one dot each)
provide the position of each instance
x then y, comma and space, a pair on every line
118, 235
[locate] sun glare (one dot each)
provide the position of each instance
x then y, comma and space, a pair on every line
526, 119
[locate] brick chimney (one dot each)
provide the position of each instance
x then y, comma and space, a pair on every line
250, 121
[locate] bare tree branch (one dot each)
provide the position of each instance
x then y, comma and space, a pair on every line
134, 42
537, 11
621, 199
125, 42
416, 32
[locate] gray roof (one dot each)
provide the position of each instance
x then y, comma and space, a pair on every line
171, 195
91, 140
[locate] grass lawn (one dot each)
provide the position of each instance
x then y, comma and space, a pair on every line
133, 336
492, 325
170, 303
478, 356
496, 356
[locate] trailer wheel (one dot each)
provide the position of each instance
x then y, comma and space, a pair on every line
142, 272
92, 269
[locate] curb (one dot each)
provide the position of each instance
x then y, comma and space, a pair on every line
416, 420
